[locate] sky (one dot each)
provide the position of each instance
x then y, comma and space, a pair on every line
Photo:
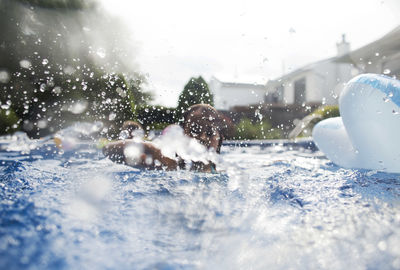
242, 40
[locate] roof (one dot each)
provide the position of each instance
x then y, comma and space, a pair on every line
240, 84
302, 69
387, 45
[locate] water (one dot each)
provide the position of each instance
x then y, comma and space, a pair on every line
276, 207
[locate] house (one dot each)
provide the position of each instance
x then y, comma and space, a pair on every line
320, 82
381, 56
231, 94
283, 99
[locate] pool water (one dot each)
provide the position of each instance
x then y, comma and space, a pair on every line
271, 207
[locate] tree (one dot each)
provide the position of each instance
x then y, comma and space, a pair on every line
61, 61
196, 91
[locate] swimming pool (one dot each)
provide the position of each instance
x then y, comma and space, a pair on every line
273, 207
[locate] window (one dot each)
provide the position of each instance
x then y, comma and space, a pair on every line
300, 91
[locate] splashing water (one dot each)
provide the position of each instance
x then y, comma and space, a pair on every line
173, 142
277, 207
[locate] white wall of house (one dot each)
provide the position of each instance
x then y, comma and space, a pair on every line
323, 83
228, 95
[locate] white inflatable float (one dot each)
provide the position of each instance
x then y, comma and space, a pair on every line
367, 135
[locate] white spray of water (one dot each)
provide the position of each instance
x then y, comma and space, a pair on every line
174, 142
91, 198
133, 153
69, 139
20, 142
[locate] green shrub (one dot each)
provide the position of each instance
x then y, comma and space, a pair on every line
9, 122
321, 113
327, 111
248, 130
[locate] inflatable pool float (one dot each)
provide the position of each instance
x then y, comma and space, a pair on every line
367, 134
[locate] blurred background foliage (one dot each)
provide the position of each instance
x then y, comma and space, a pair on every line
247, 129
55, 69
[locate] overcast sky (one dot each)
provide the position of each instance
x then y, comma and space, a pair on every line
245, 41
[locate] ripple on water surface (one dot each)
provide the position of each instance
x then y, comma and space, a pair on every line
269, 208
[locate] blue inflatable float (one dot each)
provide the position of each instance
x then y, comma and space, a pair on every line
367, 135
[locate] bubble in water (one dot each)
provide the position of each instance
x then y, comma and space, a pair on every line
4, 76
45, 62
386, 71
25, 64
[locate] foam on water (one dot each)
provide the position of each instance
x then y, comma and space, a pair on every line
271, 208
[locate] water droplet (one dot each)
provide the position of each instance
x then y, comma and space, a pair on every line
57, 90
42, 87
386, 71
69, 70
42, 123
101, 53
4, 76
45, 62
112, 116
5, 106
121, 92
78, 107
25, 64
